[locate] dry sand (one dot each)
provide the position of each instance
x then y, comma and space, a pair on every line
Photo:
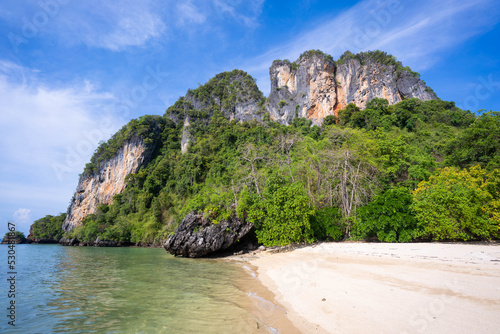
386, 288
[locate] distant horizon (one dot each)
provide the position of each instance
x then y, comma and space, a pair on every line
72, 74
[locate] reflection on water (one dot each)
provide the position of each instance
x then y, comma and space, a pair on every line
126, 290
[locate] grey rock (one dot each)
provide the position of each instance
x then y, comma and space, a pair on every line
306, 88
68, 242
314, 87
359, 84
105, 243
197, 237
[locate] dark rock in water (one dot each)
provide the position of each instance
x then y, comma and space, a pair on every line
105, 243
68, 242
41, 241
97, 243
197, 237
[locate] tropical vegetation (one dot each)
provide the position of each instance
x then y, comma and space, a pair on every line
394, 173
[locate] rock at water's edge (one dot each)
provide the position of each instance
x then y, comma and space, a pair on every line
197, 237
68, 242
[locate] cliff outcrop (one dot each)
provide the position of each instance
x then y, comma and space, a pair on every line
316, 86
15, 237
235, 94
125, 154
363, 77
313, 87
305, 88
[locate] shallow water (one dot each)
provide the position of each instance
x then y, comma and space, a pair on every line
125, 290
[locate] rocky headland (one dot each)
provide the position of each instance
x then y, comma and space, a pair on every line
313, 87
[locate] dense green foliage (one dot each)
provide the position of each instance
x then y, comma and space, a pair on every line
281, 216
407, 114
479, 143
221, 93
372, 173
308, 54
389, 217
15, 235
458, 204
48, 227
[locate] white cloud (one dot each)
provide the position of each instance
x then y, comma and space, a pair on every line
189, 13
111, 25
415, 32
48, 134
247, 12
22, 219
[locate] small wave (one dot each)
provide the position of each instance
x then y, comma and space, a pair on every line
265, 301
252, 273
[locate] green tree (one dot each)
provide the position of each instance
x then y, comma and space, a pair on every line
455, 204
389, 217
282, 217
478, 144
14, 237
327, 224
48, 227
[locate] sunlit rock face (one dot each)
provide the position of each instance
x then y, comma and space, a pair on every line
314, 86
100, 186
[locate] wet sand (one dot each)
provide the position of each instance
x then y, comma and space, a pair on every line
383, 288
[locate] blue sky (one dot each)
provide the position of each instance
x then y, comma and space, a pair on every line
72, 73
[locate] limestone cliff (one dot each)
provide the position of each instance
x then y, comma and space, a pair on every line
305, 88
234, 94
126, 153
361, 78
312, 87
316, 86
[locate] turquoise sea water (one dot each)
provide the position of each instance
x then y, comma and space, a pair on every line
124, 290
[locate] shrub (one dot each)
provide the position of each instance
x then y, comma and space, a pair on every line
456, 204
49, 227
326, 224
287, 217
281, 217
389, 217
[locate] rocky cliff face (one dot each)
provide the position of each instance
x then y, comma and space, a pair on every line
312, 87
234, 94
315, 86
359, 83
100, 186
305, 88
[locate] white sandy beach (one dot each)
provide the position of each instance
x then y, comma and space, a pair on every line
386, 288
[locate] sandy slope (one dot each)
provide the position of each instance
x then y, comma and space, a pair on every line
387, 288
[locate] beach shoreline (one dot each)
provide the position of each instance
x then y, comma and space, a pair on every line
384, 288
